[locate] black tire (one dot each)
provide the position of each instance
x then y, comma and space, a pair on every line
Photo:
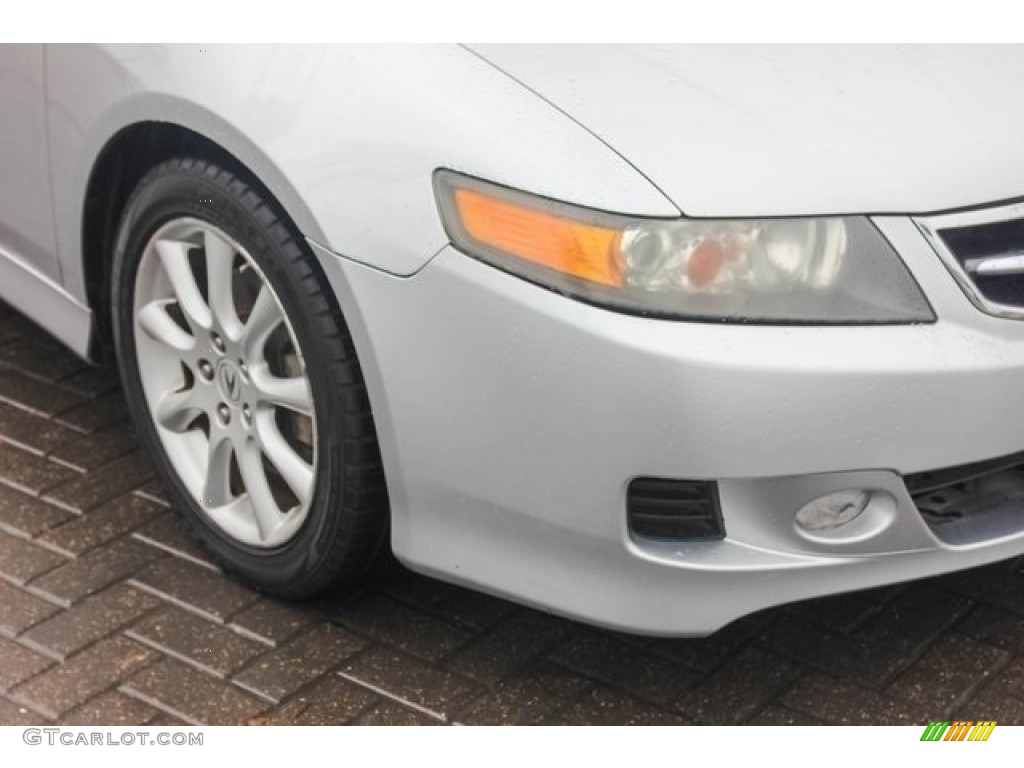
347, 523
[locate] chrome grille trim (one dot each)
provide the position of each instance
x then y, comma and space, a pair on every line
932, 227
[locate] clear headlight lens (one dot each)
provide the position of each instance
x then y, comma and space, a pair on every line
800, 270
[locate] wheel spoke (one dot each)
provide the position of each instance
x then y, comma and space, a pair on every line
263, 319
177, 410
296, 473
291, 392
220, 261
217, 486
174, 257
254, 476
160, 326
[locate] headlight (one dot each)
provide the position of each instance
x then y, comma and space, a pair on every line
799, 270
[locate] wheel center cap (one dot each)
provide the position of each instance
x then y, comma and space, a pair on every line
229, 381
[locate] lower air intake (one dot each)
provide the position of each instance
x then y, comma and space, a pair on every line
673, 510
973, 502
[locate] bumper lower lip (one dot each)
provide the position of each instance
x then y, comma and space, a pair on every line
512, 419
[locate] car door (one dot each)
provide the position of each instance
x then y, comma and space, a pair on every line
26, 215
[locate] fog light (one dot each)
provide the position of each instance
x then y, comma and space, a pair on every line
832, 510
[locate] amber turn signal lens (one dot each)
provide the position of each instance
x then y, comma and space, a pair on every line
581, 250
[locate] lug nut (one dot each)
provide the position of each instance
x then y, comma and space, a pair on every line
205, 370
218, 342
243, 368
246, 415
224, 414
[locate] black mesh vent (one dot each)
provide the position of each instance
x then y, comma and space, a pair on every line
673, 510
972, 502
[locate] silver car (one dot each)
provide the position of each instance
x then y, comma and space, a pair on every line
650, 337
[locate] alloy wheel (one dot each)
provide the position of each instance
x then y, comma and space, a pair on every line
225, 382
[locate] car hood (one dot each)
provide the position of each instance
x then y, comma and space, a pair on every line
761, 131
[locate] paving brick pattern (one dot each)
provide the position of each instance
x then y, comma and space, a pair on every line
111, 615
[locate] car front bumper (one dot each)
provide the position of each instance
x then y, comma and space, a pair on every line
512, 419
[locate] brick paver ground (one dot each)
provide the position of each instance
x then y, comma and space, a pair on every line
110, 614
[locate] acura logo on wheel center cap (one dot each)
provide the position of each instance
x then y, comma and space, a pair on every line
229, 381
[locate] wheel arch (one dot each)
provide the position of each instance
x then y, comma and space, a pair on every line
126, 156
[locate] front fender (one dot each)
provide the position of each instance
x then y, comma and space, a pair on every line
346, 138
